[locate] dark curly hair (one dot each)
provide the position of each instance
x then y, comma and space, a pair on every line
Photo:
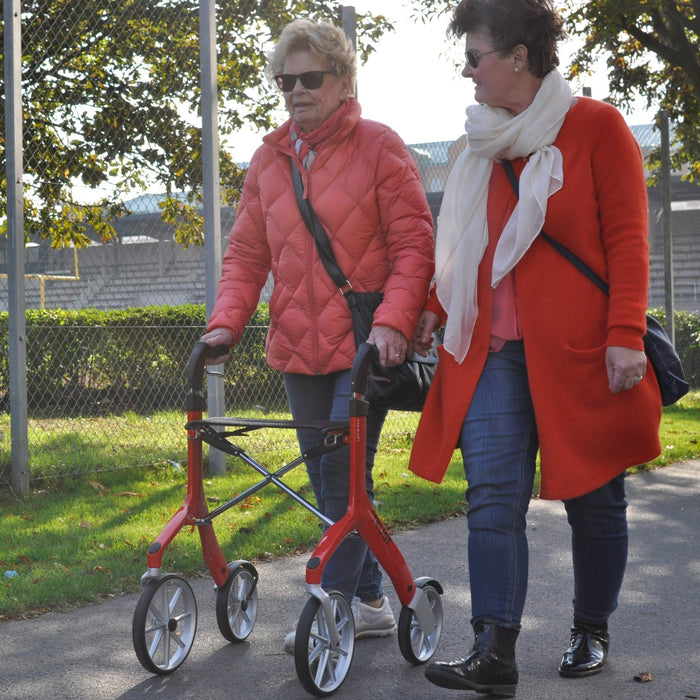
533, 23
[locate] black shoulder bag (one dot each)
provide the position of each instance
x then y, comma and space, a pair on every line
657, 345
400, 388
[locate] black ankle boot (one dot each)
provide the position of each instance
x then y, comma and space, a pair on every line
490, 668
587, 652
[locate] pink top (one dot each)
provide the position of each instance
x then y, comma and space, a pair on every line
505, 324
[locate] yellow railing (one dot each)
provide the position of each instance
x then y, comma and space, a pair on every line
43, 278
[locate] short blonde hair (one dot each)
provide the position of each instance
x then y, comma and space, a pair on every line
323, 39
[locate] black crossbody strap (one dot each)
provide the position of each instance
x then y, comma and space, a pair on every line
559, 247
323, 245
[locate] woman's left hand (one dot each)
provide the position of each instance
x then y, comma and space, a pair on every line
391, 344
626, 368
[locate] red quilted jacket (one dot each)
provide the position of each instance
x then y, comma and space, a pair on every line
365, 189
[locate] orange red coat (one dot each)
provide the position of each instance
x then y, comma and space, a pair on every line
587, 435
365, 190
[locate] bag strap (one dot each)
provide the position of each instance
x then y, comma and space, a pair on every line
325, 251
559, 247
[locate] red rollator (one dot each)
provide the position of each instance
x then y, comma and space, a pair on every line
165, 619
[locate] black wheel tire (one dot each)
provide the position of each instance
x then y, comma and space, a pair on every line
164, 624
237, 604
322, 669
416, 646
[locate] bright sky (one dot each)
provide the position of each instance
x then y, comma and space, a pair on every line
413, 82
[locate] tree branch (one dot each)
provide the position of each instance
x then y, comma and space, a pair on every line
679, 51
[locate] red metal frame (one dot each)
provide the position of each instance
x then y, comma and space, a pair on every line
194, 507
362, 518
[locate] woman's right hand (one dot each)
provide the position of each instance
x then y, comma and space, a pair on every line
219, 336
428, 323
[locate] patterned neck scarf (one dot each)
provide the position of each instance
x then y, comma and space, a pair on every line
306, 143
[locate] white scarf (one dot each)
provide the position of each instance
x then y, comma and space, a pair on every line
462, 233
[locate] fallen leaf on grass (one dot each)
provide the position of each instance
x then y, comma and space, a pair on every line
129, 493
251, 502
644, 677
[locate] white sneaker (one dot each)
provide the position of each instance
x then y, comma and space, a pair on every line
373, 622
291, 637
369, 622
289, 643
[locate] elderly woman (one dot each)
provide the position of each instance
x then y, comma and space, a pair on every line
535, 356
365, 189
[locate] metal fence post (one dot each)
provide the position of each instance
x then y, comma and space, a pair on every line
17, 341
667, 227
348, 17
212, 199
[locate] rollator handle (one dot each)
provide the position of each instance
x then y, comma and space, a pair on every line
195, 371
366, 353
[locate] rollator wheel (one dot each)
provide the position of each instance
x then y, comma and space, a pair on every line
417, 645
322, 669
165, 624
237, 602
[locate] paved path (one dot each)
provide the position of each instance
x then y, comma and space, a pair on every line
88, 653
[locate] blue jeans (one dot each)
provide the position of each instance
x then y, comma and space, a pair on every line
599, 549
353, 569
499, 445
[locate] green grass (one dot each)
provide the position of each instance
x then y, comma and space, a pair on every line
77, 540
73, 446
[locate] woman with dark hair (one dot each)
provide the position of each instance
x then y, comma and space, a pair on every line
535, 356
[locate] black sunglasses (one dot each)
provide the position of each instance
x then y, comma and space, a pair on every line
473, 57
311, 80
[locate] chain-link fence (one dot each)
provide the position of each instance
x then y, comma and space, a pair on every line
114, 219
114, 205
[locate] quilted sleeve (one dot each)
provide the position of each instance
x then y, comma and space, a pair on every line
246, 263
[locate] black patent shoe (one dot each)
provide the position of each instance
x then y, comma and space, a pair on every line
490, 668
587, 653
